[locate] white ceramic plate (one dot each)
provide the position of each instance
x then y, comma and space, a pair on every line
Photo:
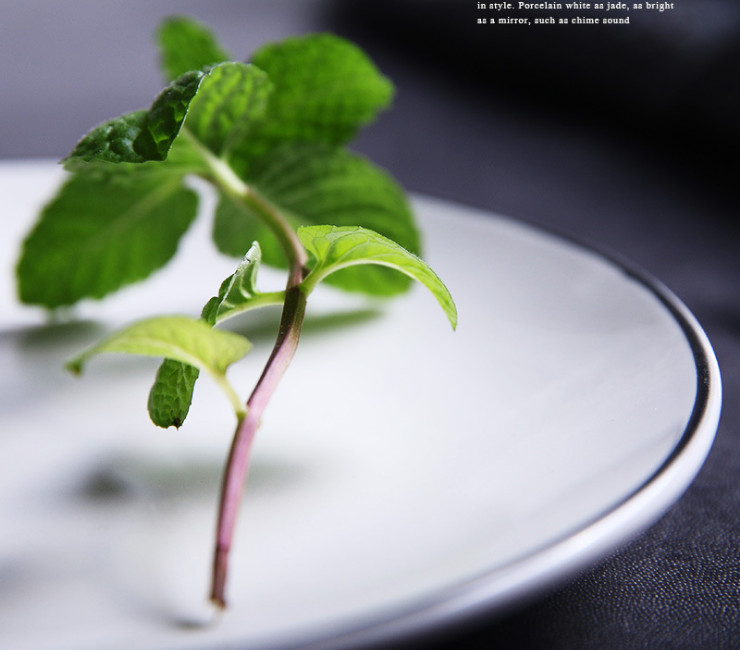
406, 477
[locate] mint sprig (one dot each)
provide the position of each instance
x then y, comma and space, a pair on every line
270, 137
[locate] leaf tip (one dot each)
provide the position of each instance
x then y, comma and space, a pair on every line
74, 366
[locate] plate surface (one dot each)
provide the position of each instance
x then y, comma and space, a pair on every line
405, 477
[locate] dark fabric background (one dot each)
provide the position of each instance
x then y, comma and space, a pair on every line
626, 137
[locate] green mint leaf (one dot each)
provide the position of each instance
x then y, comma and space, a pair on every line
185, 339
326, 88
115, 141
142, 135
188, 340
168, 111
218, 106
172, 393
104, 230
230, 99
239, 291
316, 184
185, 45
235, 226
335, 248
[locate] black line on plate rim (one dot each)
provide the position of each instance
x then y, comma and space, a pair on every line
380, 630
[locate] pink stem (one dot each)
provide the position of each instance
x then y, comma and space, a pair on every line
291, 321
236, 469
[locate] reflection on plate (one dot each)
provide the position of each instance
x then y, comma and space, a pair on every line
406, 477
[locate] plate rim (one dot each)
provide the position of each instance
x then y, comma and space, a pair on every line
494, 592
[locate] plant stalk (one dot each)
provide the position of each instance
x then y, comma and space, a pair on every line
238, 461
291, 322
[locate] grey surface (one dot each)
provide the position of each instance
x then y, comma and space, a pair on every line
69, 65
664, 197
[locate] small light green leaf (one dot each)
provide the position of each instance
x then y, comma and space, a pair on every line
172, 393
326, 88
314, 184
334, 248
104, 230
239, 292
181, 338
185, 44
231, 98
